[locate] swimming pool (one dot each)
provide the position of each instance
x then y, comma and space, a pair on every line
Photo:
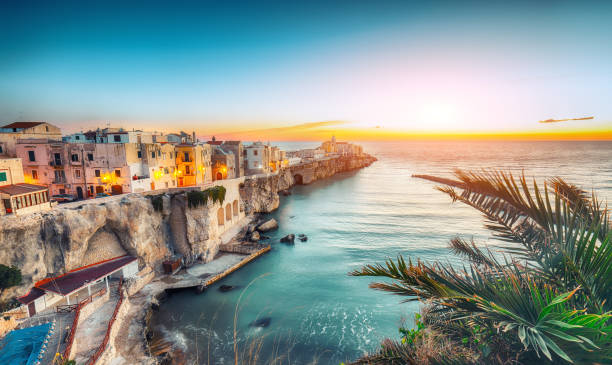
23, 346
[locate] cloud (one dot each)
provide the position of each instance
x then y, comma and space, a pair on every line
564, 120
285, 133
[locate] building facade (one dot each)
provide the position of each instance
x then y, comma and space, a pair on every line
11, 133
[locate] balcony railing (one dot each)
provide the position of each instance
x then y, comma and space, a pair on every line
56, 163
61, 180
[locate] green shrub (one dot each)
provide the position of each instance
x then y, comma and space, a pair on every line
9, 276
197, 198
158, 203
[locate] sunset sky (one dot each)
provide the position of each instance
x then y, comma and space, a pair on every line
292, 70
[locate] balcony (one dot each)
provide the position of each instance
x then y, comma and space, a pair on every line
56, 163
60, 180
181, 159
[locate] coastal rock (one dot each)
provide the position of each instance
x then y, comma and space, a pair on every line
262, 322
251, 228
290, 238
225, 288
64, 238
255, 236
268, 225
303, 238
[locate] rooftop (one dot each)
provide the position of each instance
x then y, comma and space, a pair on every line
22, 125
22, 188
78, 278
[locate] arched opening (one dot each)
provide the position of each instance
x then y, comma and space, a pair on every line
299, 180
220, 216
103, 245
219, 176
228, 212
235, 208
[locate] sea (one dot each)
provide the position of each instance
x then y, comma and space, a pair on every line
317, 313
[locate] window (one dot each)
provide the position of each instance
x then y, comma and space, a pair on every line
187, 170
255, 153
118, 173
77, 137
77, 174
47, 128
1, 151
117, 138
91, 189
58, 159
62, 191
139, 154
186, 156
165, 170
31, 156
90, 156
152, 154
158, 153
2, 176
34, 174
74, 157
97, 172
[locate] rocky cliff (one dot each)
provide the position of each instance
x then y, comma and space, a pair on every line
64, 238
260, 194
77, 234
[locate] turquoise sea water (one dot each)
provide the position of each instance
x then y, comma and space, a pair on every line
317, 311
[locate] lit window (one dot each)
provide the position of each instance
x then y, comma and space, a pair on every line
34, 174
118, 173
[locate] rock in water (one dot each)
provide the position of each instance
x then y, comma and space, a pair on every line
303, 238
225, 288
268, 225
290, 238
262, 322
255, 236
251, 228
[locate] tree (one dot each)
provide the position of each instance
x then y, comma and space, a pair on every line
9, 276
544, 296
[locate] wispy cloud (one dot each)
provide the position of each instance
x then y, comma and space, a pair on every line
298, 131
564, 120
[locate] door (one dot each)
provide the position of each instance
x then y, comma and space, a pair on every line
79, 192
116, 189
219, 176
31, 309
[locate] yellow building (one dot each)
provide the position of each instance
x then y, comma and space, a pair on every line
193, 164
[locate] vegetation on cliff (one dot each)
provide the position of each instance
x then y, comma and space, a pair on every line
545, 295
9, 276
197, 198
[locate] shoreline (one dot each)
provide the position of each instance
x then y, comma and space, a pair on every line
141, 309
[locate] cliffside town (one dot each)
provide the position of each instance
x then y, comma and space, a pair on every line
136, 207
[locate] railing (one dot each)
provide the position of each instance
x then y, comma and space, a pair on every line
73, 328
102, 347
75, 322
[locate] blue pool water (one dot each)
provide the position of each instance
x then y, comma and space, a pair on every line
21, 347
317, 311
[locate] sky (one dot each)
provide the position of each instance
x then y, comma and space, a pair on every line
302, 69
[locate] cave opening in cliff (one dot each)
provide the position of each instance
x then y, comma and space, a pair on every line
299, 180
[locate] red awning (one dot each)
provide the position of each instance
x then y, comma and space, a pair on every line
34, 294
78, 278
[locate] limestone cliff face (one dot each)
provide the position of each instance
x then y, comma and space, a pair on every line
67, 237
62, 239
260, 194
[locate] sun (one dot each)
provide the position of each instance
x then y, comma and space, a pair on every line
438, 116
